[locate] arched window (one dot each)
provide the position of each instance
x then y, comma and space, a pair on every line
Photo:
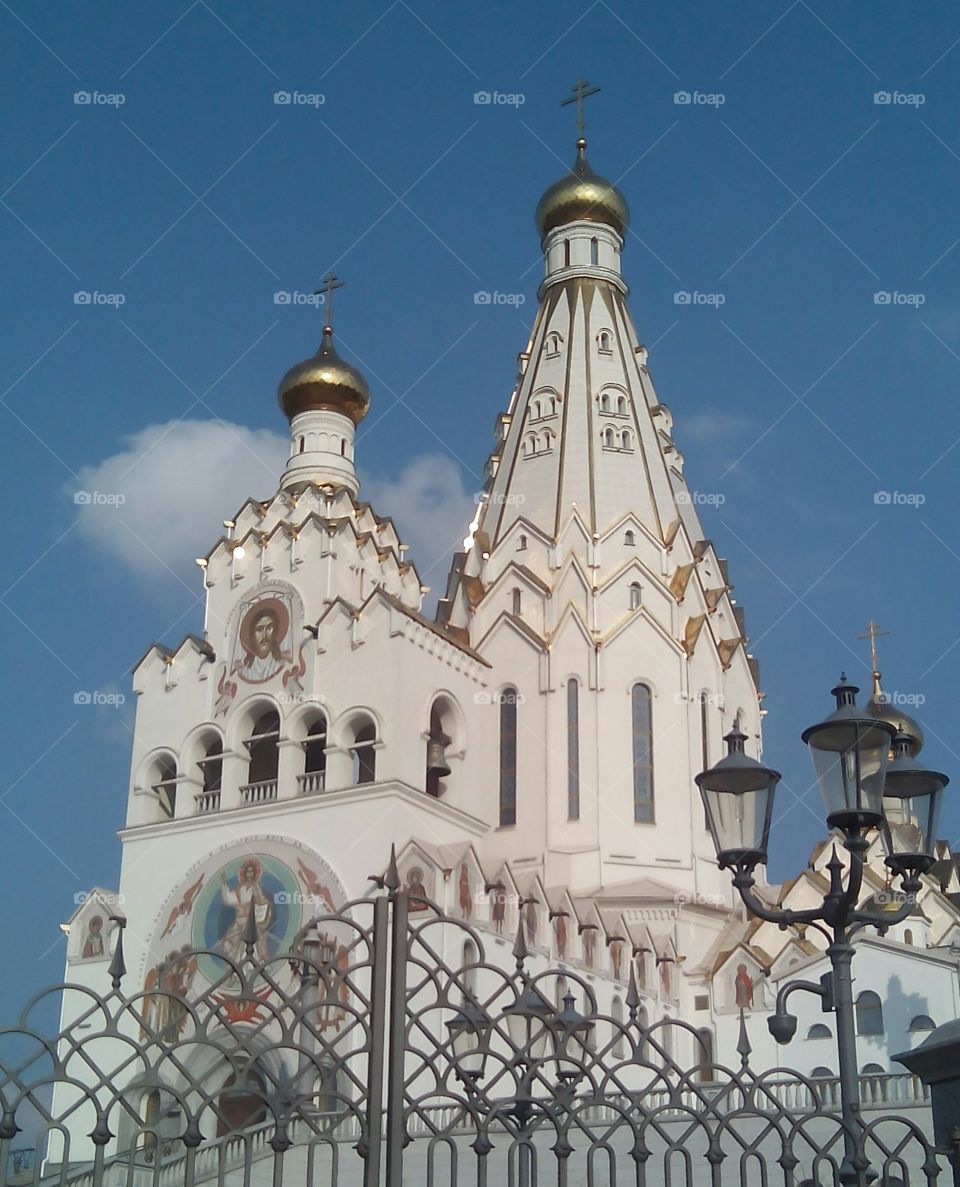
616, 1013
705, 1056
534, 409
546, 441
264, 752
549, 406
594, 253
635, 595
521, 543
872, 1069
642, 720
516, 601
621, 405
364, 752
604, 401
604, 342
821, 1073
609, 439
626, 439
869, 1010
921, 1022
629, 538
819, 1031
438, 739
552, 343
573, 749
314, 758
907, 936
508, 757
164, 785
529, 445
211, 772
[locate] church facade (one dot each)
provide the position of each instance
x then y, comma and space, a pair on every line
530, 750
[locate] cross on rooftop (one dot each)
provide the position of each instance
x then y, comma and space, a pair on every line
581, 90
330, 282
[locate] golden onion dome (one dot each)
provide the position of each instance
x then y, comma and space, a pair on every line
582, 194
881, 707
324, 382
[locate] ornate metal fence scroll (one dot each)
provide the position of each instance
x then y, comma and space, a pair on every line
395, 1044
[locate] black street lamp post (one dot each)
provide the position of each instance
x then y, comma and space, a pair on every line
850, 752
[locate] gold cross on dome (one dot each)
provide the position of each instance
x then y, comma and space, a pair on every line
330, 282
872, 633
581, 90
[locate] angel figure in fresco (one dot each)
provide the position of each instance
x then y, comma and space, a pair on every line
93, 945
743, 986
664, 966
262, 635
616, 956
246, 898
166, 988
317, 893
560, 929
499, 912
416, 891
589, 944
464, 892
530, 920
184, 907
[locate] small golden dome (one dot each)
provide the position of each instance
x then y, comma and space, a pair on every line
582, 194
881, 707
324, 382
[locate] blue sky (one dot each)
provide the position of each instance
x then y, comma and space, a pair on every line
783, 186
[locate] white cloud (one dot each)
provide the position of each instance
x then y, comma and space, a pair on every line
431, 510
177, 482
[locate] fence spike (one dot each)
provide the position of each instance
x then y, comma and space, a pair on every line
520, 950
392, 880
743, 1041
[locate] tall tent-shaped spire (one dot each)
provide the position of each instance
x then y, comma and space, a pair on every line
587, 556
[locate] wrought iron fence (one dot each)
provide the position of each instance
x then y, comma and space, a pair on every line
387, 1046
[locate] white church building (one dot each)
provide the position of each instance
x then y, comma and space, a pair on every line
530, 751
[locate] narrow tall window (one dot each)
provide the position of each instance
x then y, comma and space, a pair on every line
642, 716
594, 252
869, 1010
516, 601
636, 595
508, 756
566, 253
629, 538
262, 747
573, 749
364, 753
522, 544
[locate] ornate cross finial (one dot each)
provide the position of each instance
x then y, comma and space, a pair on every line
581, 90
330, 282
872, 633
